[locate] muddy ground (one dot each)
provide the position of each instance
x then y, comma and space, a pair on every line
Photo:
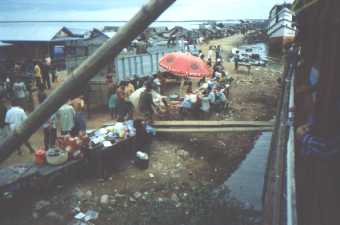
185, 170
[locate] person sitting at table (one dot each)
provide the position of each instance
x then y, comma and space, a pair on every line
205, 105
217, 75
211, 95
223, 78
188, 102
212, 83
220, 100
202, 81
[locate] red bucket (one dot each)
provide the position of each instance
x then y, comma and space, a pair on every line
40, 156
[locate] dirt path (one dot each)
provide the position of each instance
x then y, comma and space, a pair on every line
184, 169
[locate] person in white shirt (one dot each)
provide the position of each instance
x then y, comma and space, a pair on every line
212, 97
205, 105
220, 100
187, 105
15, 116
66, 115
210, 53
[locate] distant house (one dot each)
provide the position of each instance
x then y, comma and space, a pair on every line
88, 44
110, 29
206, 33
4, 52
76, 32
78, 50
179, 32
35, 42
161, 29
154, 32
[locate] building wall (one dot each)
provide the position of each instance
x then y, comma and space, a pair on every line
20, 52
4, 53
76, 52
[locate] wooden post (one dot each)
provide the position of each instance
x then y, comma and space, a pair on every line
83, 73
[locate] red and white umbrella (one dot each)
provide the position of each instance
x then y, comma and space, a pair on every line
185, 65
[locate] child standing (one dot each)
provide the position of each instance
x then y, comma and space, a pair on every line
112, 104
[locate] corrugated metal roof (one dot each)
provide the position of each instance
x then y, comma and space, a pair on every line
109, 34
63, 39
77, 31
27, 32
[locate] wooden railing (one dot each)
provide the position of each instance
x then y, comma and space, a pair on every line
280, 192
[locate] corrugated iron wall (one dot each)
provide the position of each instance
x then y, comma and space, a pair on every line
141, 65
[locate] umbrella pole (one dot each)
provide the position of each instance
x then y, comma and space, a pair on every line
181, 89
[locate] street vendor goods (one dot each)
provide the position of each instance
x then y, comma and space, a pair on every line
109, 135
55, 156
40, 156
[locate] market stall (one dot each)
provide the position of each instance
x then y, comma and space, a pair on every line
187, 67
177, 104
110, 146
95, 154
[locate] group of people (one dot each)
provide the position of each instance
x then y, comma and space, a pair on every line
120, 105
19, 80
70, 117
213, 50
212, 94
210, 97
43, 69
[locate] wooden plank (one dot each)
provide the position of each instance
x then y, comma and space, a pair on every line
202, 123
212, 130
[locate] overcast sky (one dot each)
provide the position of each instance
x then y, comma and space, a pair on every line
124, 9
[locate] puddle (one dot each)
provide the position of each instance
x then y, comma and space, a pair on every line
246, 183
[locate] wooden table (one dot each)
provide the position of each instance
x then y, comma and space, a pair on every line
105, 159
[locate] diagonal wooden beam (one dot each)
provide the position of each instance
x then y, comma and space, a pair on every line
81, 75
